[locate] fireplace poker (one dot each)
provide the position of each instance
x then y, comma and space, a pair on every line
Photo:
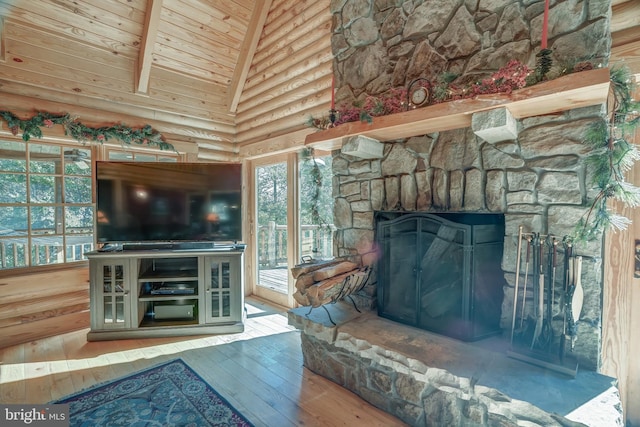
554, 242
515, 290
568, 278
539, 291
526, 276
546, 337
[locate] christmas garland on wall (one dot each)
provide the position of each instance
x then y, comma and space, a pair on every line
613, 154
32, 128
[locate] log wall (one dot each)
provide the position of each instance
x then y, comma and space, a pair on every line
43, 304
290, 76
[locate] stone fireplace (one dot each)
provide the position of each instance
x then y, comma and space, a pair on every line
536, 181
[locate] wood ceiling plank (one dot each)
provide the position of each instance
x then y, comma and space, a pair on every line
39, 58
196, 45
178, 84
215, 74
149, 34
247, 52
235, 14
209, 25
625, 15
45, 23
134, 11
80, 27
62, 45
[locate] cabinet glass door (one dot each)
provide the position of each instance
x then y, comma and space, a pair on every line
114, 294
219, 290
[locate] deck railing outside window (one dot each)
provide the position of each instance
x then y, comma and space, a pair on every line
316, 241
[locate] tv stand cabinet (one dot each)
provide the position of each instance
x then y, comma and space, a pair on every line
159, 293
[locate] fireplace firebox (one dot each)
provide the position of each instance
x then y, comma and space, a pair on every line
441, 271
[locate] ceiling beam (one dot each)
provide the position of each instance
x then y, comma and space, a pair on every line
149, 34
247, 50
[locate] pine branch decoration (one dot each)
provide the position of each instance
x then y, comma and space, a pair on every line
612, 155
32, 128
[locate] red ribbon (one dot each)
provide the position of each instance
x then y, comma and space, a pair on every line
545, 25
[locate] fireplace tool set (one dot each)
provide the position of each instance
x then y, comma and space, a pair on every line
544, 325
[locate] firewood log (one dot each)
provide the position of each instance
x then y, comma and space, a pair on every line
333, 270
311, 266
301, 299
304, 281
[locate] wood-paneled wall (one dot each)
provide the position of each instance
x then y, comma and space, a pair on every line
43, 304
290, 76
621, 317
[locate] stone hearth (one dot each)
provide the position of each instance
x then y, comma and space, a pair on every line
428, 379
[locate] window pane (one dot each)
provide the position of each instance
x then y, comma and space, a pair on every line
44, 158
77, 161
77, 245
120, 155
13, 156
316, 207
145, 157
14, 188
78, 219
43, 220
167, 159
13, 221
44, 189
77, 190
14, 251
47, 250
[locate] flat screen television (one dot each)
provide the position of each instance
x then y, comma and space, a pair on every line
167, 202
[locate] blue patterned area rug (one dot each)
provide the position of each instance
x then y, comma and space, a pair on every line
170, 394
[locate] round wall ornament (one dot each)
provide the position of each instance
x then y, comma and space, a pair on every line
418, 92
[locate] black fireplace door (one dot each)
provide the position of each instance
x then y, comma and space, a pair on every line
441, 275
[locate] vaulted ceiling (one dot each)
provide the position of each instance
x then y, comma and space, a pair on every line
214, 76
178, 65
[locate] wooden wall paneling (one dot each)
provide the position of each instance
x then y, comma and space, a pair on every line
291, 141
620, 317
187, 127
38, 305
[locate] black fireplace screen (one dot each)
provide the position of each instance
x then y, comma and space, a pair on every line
441, 272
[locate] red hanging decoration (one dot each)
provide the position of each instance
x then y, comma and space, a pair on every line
545, 25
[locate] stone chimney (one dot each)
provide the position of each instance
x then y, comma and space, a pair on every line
538, 180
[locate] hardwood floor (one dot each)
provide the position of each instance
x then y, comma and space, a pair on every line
259, 371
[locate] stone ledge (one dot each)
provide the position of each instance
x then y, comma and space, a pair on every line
407, 372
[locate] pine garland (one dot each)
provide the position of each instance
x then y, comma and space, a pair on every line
32, 128
612, 155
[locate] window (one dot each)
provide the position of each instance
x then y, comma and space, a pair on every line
46, 200
46, 210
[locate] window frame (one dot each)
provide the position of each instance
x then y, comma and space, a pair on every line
70, 254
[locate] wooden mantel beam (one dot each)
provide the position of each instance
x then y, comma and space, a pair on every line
565, 93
